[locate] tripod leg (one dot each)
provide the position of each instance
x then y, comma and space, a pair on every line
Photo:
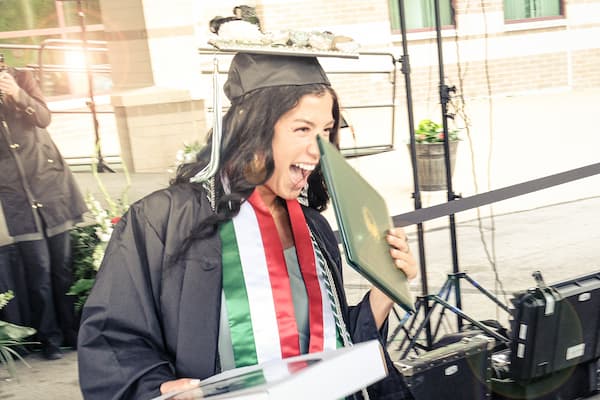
418, 306
444, 293
101, 166
462, 315
421, 327
487, 293
401, 322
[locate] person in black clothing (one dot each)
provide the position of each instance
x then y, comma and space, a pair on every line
39, 203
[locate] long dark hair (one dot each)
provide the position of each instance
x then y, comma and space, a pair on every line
248, 130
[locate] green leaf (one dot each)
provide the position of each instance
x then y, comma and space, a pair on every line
82, 286
11, 332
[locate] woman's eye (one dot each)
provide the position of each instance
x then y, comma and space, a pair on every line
303, 129
326, 132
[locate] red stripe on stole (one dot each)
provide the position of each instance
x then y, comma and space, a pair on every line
278, 275
306, 259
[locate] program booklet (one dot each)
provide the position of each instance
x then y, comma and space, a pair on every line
329, 375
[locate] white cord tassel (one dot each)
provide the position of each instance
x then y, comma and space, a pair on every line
211, 168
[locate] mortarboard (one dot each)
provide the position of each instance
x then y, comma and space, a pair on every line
249, 72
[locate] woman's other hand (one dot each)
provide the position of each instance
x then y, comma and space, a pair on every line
400, 251
186, 385
381, 304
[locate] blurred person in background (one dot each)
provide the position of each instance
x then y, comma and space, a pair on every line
39, 203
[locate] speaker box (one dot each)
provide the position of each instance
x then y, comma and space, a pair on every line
458, 371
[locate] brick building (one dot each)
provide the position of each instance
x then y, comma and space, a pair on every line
491, 49
485, 51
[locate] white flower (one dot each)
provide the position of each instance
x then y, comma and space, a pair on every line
189, 158
187, 154
104, 236
98, 255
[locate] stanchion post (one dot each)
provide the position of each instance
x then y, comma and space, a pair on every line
451, 196
405, 63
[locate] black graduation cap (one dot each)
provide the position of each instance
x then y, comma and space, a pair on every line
249, 71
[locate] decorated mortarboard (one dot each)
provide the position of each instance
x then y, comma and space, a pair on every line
242, 36
276, 58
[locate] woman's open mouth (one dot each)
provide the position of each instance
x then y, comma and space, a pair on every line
300, 173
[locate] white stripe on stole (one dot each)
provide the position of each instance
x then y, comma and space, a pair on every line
258, 285
329, 328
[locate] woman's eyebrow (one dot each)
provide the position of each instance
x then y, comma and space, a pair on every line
306, 121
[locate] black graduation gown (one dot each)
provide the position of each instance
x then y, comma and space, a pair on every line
149, 319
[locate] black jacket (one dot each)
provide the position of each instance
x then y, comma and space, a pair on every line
35, 180
149, 319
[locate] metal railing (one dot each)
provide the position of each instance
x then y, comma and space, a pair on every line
354, 151
41, 68
65, 45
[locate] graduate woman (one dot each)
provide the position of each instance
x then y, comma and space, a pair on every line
222, 272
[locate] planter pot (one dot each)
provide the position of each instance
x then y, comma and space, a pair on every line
431, 168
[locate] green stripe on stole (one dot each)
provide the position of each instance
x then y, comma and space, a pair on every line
236, 296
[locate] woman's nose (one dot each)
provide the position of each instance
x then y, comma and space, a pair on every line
313, 146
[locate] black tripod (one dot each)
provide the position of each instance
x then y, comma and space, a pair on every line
101, 166
427, 302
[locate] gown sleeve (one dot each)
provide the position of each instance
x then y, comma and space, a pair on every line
121, 353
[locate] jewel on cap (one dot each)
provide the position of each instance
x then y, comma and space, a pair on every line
249, 72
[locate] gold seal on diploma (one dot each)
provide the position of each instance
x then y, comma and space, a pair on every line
370, 223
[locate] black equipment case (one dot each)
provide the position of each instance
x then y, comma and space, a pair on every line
576, 382
458, 371
534, 332
555, 327
579, 321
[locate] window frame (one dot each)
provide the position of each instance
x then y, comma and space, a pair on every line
397, 30
561, 7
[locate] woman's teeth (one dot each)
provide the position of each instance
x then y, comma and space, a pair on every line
306, 167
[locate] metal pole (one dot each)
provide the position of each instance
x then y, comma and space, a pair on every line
444, 97
413, 155
100, 166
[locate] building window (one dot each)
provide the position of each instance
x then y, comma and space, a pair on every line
420, 14
528, 9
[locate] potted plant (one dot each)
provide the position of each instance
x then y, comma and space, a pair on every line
429, 142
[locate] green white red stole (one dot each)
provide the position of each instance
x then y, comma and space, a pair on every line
257, 288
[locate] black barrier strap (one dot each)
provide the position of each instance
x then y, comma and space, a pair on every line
478, 200
482, 199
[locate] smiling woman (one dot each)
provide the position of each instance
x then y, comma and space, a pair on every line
218, 273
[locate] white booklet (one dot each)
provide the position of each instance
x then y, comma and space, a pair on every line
328, 375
